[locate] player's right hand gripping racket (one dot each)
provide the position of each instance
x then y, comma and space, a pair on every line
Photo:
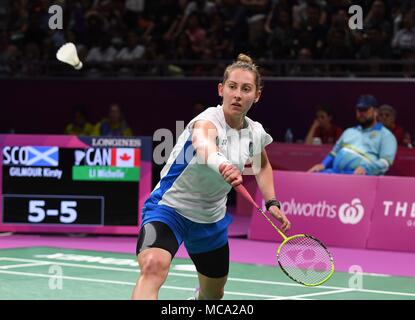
302, 257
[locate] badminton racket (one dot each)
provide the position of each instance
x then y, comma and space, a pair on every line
302, 257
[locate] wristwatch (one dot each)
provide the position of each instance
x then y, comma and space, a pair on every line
272, 202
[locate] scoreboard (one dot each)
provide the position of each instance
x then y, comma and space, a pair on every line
73, 184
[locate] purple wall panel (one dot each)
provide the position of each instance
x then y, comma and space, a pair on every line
44, 106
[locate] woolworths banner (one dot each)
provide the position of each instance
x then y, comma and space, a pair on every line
341, 210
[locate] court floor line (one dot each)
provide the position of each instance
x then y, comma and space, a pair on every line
41, 275
71, 264
34, 264
195, 276
322, 287
386, 292
307, 295
289, 284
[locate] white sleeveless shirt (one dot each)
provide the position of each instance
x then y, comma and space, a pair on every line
192, 188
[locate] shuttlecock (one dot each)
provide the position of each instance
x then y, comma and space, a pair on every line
67, 54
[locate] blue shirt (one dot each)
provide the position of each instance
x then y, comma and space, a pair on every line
373, 148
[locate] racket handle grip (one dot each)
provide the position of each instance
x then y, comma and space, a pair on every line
243, 192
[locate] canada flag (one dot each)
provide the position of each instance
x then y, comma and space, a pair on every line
125, 157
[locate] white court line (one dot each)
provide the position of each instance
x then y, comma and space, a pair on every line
307, 295
41, 275
386, 292
170, 273
252, 294
30, 274
229, 279
34, 264
136, 271
289, 284
73, 265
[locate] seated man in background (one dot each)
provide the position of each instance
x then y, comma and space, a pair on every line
79, 125
368, 148
387, 116
323, 130
114, 125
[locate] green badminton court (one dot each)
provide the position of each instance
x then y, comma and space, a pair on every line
53, 273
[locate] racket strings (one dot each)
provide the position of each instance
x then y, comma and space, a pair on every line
305, 260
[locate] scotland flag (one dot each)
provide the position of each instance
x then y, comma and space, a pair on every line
43, 156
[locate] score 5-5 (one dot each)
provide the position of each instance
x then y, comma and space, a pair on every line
45, 210
38, 213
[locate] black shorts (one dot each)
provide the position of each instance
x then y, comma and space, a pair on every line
156, 234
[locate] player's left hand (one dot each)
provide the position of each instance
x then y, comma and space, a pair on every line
360, 171
280, 216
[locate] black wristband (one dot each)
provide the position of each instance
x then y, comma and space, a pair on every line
272, 202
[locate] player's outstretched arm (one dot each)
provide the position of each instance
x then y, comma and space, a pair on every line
204, 141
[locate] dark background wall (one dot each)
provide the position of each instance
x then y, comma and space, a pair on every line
44, 106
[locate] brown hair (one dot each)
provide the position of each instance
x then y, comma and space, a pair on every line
246, 63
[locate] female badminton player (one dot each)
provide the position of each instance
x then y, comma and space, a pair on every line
189, 203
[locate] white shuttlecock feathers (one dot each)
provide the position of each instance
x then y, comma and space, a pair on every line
67, 54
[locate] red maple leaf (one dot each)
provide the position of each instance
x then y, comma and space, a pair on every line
125, 157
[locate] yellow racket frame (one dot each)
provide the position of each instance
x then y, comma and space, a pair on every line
286, 239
